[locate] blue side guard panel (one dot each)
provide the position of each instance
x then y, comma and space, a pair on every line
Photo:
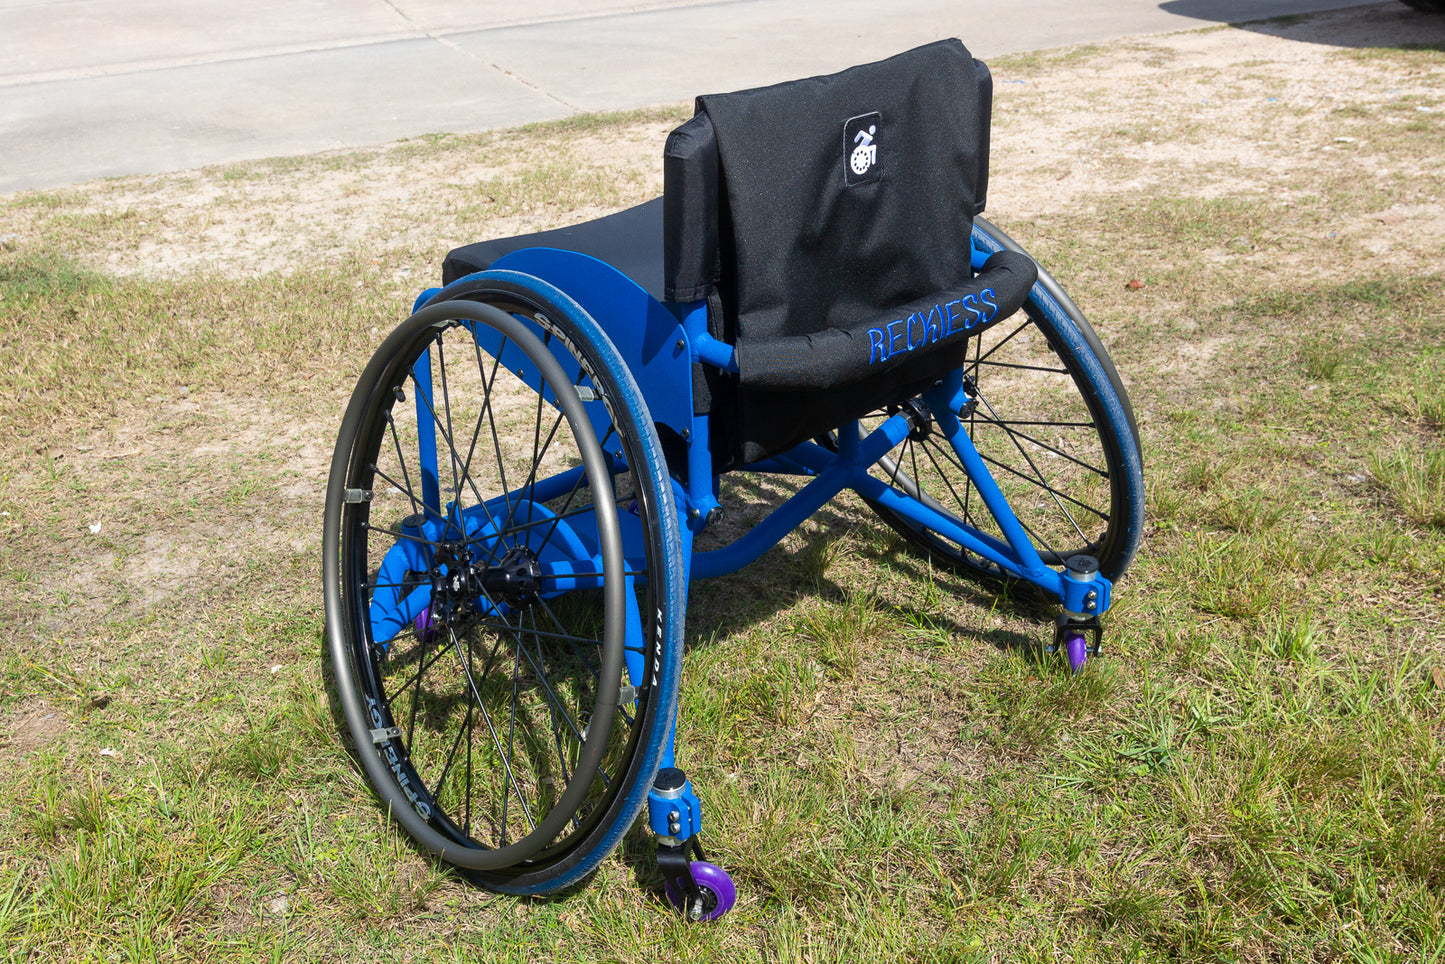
646, 334
654, 346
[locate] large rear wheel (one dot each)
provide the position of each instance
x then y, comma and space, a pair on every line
501, 562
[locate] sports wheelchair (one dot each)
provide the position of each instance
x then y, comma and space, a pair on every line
528, 459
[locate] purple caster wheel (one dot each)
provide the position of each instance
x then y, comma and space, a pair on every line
1076, 648
718, 892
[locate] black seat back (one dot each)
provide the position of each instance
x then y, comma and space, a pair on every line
812, 212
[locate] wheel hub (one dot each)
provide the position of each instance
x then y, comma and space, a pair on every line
515, 580
453, 582
920, 420
460, 585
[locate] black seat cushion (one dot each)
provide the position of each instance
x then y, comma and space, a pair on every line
630, 241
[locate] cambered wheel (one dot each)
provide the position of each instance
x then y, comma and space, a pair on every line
1053, 424
491, 606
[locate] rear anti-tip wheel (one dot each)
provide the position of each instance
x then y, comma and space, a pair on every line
718, 893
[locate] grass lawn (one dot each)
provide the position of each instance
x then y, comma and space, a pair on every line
1253, 218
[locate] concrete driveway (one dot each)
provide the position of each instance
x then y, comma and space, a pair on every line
96, 88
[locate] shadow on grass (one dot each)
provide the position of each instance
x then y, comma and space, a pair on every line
728, 606
1384, 26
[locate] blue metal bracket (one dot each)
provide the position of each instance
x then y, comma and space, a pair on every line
673, 811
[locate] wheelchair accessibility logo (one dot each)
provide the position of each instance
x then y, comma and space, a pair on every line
860, 149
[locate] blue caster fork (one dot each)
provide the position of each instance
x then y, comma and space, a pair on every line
702, 891
1078, 635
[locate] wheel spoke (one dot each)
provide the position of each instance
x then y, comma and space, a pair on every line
576, 487
542, 633
511, 737
961, 502
1102, 473
418, 506
507, 527
1055, 493
492, 731
979, 359
1027, 368
447, 407
445, 430
556, 729
569, 639
452, 754
552, 699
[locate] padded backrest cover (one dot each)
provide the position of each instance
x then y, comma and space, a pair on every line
849, 194
812, 207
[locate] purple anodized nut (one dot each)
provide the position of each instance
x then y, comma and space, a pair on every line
427, 629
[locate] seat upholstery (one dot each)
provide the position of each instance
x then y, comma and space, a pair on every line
630, 241
829, 221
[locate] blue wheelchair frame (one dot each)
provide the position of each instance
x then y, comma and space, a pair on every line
660, 343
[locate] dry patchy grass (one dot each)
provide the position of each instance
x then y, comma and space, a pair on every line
1255, 775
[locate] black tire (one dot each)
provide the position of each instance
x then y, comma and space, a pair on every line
1055, 427
1426, 6
493, 722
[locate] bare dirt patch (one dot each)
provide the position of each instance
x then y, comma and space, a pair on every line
420, 196
169, 502
30, 726
1229, 113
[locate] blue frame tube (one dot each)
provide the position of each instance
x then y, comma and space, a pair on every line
768, 533
848, 469
985, 545
701, 491
841, 471
426, 430
945, 401
778, 465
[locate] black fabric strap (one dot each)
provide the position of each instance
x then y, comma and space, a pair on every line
835, 357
